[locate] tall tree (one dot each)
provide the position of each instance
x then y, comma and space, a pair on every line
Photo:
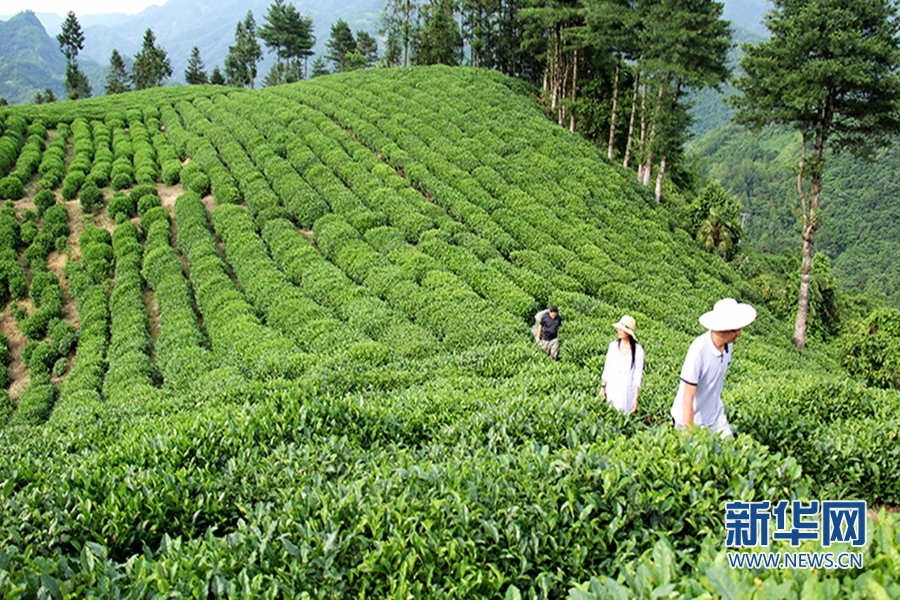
71, 42
340, 44
151, 65
195, 74
319, 67
399, 25
684, 47
479, 21
217, 78
45, 97
240, 64
611, 26
440, 40
367, 47
830, 72
289, 35
117, 80
553, 33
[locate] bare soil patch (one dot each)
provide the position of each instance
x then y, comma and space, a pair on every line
17, 342
209, 202
168, 194
307, 233
76, 227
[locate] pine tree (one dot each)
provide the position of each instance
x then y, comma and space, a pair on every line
319, 67
440, 41
367, 47
339, 44
151, 64
289, 35
117, 77
240, 64
399, 24
217, 78
195, 74
828, 71
45, 97
71, 42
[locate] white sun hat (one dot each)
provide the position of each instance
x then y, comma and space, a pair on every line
728, 314
626, 324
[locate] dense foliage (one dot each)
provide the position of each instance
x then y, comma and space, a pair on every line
313, 372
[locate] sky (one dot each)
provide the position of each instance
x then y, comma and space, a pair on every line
80, 7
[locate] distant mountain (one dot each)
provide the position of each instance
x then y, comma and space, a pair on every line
30, 60
179, 25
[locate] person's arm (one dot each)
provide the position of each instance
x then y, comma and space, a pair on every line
638, 375
604, 376
687, 405
540, 331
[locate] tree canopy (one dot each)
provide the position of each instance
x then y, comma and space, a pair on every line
290, 36
195, 73
151, 64
117, 79
244, 55
829, 72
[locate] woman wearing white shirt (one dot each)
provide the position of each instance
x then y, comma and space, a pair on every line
623, 369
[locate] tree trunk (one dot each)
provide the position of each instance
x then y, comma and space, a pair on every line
630, 139
659, 178
642, 142
809, 202
406, 31
654, 129
574, 91
610, 150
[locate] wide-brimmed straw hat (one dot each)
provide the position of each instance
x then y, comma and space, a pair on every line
728, 314
626, 324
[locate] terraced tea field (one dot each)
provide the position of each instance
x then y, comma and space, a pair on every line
275, 343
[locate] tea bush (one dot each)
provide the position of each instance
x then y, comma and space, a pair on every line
328, 386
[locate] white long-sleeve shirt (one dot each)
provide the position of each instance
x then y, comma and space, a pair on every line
621, 376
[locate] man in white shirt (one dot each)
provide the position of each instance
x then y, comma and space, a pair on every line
699, 399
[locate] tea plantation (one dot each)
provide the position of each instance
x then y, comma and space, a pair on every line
275, 344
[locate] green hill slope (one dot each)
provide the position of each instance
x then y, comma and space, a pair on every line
861, 201
312, 372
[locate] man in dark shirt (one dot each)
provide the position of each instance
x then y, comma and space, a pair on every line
548, 330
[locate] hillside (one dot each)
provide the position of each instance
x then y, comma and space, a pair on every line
861, 200
30, 61
304, 363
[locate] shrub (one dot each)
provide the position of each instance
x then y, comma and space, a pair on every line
199, 183
11, 188
120, 181
28, 232
142, 190
147, 203
60, 366
40, 281
121, 204
871, 350
62, 336
91, 197
71, 184
149, 218
44, 200
42, 358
